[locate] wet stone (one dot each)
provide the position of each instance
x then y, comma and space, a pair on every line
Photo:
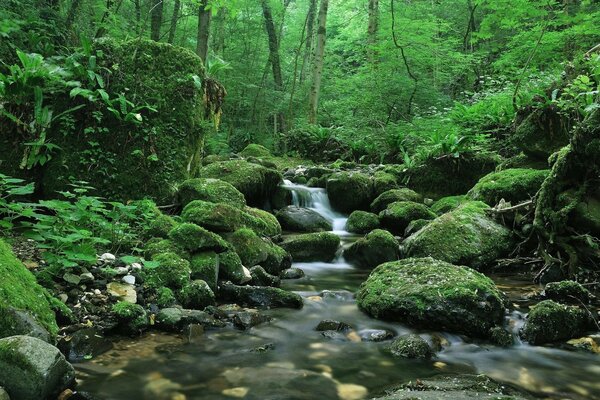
335, 335
331, 325
375, 335
292, 273
84, 345
248, 319
411, 346
342, 295
260, 277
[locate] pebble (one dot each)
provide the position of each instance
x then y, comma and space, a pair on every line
63, 297
122, 291
121, 270
238, 392
348, 391
108, 258
247, 275
86, 277
130, 279
71, 278
136, 266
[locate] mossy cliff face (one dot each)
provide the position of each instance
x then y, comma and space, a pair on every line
20, 291
125, 160
433, 294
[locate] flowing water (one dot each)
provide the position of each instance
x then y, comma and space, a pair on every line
287, 359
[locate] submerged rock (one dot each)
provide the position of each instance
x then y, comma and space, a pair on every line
292, 273
331, 325
260, 296
397, 216
312, 246
362, 222
512, 185
550, 322
434, 294
248, 319
175, 319
33, 369
465, 236
375, 335
84, 344
298, 219
375, 248
349, 191
411, 346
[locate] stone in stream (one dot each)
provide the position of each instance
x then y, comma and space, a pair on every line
292, 273
375, 335
175, 319
84, 344
391, 196
331, 325
411, 346
374, 249
33, 369
349, 191
259, 296
434, 294
310, 247
260, 277
362, 222
255, 250
248, 319
299, 219
397, 216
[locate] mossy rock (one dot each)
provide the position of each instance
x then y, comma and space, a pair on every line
392, 196
441, 177
512, 185
211, 190
362, 222
231, 268
205, 266
157, 246
255, 150
309, 247
136, 160
216, 217
567, 292
194, 239
160, 226
433, 294
397, 216
262, 222
300, 219
543, 132
165, 297
550, 322
411, 346
132, 318
383, 182
374, 249
254, 181
465, 236
448, 203
20, 291
254, 250
522, 160
172, 271
196, 295
586, 215
260, 296
349, 191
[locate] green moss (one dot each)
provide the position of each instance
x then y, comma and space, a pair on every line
165, 297
501, 337
160, 226
173, 272
522, 160
375, 248
217, 217
321, 246
254, 250
465, 236
158, 246
362, 222
392, 196
19, 290
541, 133
231, 268
411, 346
195, 239
261, 222
433, 294
383, 182
132, 317
512, 185
254, 181
196, 295
567, 292
447, 204
551, 322
349, 191
255, 150
398, 215
211, 190
205, 266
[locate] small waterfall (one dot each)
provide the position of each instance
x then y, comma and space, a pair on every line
316, 199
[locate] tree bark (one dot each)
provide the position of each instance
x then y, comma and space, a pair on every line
156, 16
373, 29
315, 89
204, 19
310, 32
174, 19
274, 55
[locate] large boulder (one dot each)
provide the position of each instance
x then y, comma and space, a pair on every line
211, 190
391, 196
383, 182
254, 250
541, 133
299, 219
24, 305
465, 236
260, 296
448, 203
362, 222
195, 239
308, 247
256, 182
172, 271
216, 217
349, 191
397, 216
33, 369
374, 249
551, 322
513, 185
262, 222
255, 150
433, 294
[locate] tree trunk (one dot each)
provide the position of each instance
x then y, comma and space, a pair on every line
174, 19
219, 32
315, 89
72, 13
310, 31
156, 15
138, 16
273, 54
204, 17
373, 29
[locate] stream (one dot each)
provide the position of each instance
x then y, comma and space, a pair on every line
288, 359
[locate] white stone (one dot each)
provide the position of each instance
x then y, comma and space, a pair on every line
247, 275
122, 291
136, 266
108, 258
122, 270
130, 279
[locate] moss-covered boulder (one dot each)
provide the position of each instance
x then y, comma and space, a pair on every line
255, 150
254, 181
362, 222
512, 185
308, 247
157, 246
33, 369
231, 268
541, 133
586, 215
132, 318
172, 271
383, 182
211, 190
262, 222
448, 203
196, 295
398, 215
441, 177
392, 196
254, 250
205, 266
551, 322
260, 296
567, 292
375, 248
465, 236
216, 217
194, 238
433, 294
411, 346
349, 191
19, 291
300, 219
